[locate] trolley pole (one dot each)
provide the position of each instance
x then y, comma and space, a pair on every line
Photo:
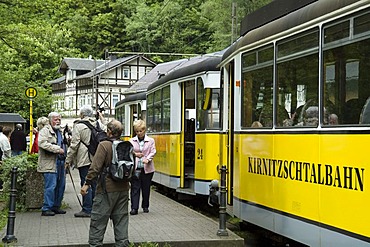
222, 218
9, 238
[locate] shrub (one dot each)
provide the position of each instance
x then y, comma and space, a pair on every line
26, 164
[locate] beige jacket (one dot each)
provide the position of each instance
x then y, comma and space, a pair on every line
77, 151
48, 150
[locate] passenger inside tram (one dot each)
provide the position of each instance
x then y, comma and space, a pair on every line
333, 119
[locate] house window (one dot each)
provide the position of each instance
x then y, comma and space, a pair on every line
114, 99
70, 102
125, 73
89, 100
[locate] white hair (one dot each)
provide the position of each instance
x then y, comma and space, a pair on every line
52, 115
86, 111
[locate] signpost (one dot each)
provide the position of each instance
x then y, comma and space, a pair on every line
31, 93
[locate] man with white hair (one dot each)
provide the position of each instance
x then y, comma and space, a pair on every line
52, 152
78, 152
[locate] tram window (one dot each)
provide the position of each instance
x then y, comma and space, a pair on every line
362, 24
297, 81
337, 32
257, 88
207, 117
298, 44
257, 97
166, 109
346, 71
249, 60
157, 121
158, 110
150, 112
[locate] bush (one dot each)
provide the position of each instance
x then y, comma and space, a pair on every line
26, 164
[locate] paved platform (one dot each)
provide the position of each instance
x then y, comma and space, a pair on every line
168, 222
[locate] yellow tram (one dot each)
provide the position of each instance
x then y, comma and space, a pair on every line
298, 89
184, 117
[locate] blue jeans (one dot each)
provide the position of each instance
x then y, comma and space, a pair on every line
54, 186
87, 200
16, 152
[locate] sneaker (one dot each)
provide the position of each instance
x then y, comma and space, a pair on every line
82, 214
59, 211
146, 210
133, 212
47, 213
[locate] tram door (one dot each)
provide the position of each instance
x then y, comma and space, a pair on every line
188, 130
135, 114
230, 130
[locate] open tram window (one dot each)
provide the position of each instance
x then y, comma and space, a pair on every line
298, 80
257, 88
208, 107
346, 68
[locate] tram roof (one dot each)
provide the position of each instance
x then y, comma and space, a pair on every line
153, 75
204, 63
293, 19
131, 98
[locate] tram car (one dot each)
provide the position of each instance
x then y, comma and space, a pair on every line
297, 88
183, 116
131, 108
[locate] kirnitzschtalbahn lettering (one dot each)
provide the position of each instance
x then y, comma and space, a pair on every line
346, 177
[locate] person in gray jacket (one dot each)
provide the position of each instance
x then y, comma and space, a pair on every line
79, 156
51, 163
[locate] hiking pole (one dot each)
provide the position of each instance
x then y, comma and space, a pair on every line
11, 215
74, 187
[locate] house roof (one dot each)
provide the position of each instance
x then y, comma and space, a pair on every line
58, 80
11, 118
79, 64
111, 64
153, 75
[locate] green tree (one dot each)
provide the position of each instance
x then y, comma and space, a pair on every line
36, 35
31, 50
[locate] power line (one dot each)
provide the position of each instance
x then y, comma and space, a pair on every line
154, 53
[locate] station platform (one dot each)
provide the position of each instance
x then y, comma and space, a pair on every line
168, 223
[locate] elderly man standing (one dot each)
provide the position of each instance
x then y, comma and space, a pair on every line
113, 200
51, 163
77, 151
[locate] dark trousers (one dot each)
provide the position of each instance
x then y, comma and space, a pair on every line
87, 200
141, 183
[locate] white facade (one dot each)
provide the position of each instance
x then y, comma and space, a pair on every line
98, 83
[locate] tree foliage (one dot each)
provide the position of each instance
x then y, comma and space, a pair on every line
36, 35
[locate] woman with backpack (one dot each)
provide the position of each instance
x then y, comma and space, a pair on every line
144, 151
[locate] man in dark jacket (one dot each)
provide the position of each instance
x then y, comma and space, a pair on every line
18, 140
113, 201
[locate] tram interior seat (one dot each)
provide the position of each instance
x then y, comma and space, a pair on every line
365, 113
351, 111
265, 117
